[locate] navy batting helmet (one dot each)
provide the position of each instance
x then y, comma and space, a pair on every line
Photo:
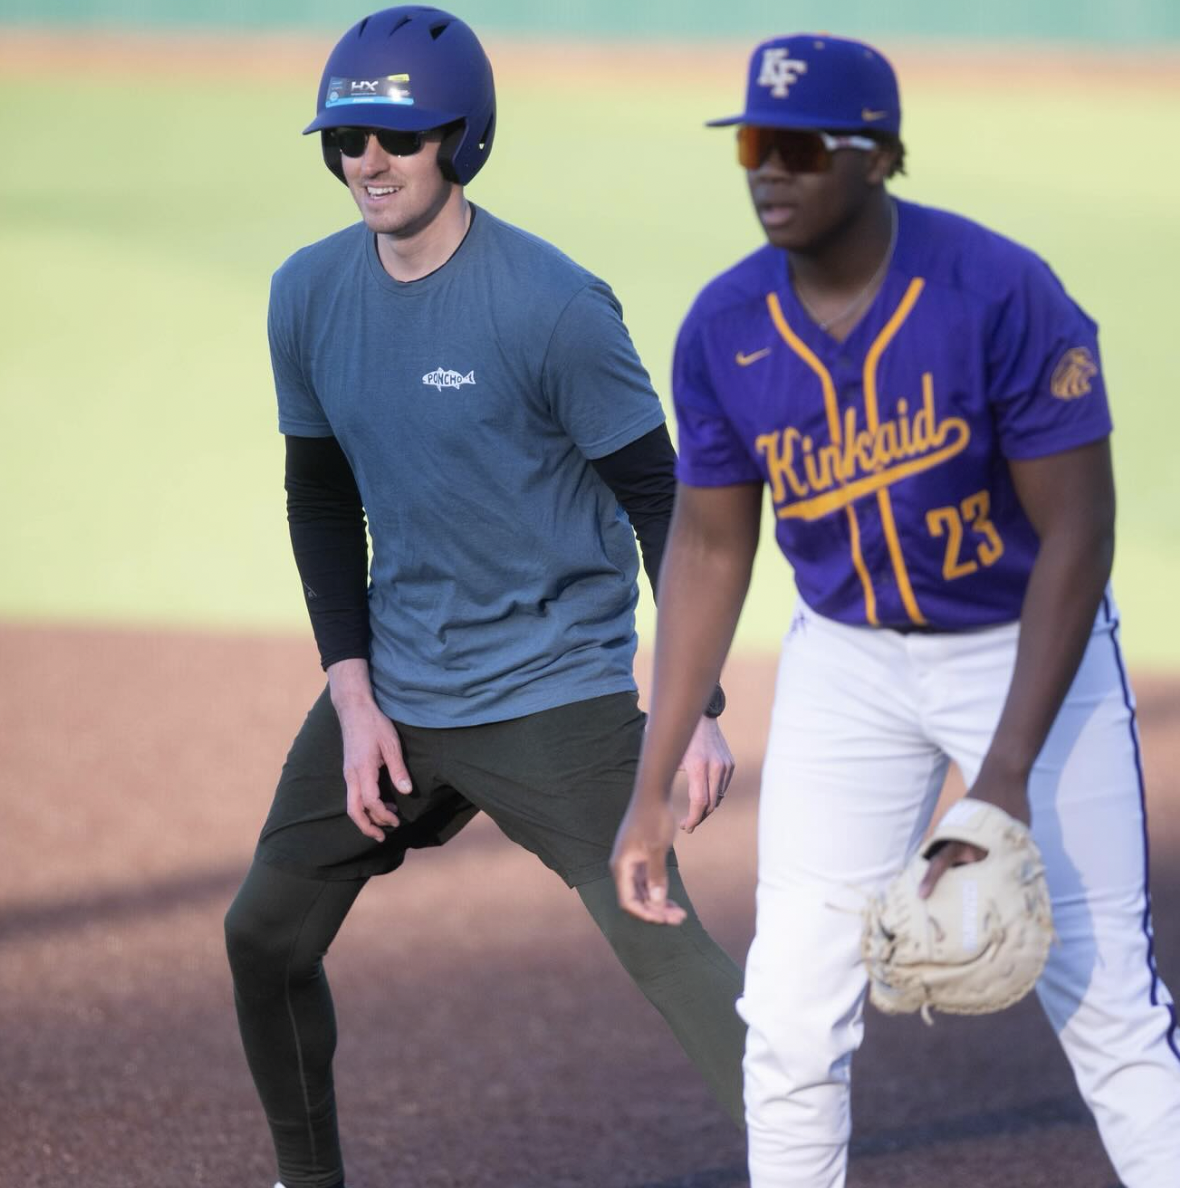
411, 68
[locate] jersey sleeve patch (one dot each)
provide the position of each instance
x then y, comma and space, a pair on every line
1045, 376
1074, 374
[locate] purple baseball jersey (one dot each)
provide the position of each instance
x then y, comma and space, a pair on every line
886, 454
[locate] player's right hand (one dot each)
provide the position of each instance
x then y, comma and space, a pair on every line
370, 743
639, 862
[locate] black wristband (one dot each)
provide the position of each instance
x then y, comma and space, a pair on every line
716, 703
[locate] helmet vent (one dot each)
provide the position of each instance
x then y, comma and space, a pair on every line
360, 29
436, 31
404, 21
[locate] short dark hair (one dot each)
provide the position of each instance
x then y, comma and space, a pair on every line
893, 142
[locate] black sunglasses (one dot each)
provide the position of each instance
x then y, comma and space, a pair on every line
352, 142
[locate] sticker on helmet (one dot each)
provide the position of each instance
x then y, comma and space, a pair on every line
393, 88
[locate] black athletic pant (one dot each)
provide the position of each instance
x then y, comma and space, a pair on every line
557, 782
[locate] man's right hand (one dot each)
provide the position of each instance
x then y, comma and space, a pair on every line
639, 861
370, 743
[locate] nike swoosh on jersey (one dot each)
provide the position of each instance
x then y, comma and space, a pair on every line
870, 115
745, 360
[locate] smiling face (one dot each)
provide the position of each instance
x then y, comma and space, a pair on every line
805, 211
399, 196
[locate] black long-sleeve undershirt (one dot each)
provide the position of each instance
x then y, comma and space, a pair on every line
642, 477
327, 524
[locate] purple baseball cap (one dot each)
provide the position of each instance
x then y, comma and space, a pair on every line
811, 80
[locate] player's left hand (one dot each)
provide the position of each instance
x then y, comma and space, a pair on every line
1009, 793
709, 765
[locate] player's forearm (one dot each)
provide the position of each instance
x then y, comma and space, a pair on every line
703, 583
327, 524
1069, 499
642, 477
349, 685
1064, 591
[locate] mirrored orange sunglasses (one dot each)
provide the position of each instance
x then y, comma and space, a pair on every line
800, 150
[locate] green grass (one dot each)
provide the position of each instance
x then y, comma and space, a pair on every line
141, 463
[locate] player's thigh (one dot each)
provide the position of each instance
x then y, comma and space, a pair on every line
556, 782
308, 832
849, 779
1085, 789
966, 678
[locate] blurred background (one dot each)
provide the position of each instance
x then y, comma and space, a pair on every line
1136, 23
155, 654
157, 177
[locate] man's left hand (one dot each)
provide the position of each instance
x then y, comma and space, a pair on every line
708, 763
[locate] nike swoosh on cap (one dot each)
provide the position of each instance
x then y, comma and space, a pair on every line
867, 114
745, 360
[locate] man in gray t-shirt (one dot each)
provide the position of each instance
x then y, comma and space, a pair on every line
475, 394
470, 404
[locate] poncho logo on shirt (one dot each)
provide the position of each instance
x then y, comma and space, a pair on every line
440, 378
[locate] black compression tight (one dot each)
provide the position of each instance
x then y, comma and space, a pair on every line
280, 926
277, 931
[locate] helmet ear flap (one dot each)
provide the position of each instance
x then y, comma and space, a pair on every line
461, 155
485, 141
331, 154
452, 138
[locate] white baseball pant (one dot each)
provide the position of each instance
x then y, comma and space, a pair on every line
864, 723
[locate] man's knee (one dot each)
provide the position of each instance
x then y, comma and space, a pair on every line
255, 955
267, 935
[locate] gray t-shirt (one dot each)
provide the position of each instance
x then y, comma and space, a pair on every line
502, 576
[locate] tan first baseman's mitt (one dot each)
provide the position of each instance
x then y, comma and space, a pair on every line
979, 943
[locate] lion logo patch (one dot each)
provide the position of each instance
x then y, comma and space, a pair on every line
1072, 376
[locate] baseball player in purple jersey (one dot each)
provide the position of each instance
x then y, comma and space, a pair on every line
926, 405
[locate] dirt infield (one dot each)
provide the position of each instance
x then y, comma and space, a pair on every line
134, 771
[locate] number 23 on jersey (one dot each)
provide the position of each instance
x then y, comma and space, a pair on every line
955, 523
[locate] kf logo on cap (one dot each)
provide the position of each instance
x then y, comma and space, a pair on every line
779, 72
